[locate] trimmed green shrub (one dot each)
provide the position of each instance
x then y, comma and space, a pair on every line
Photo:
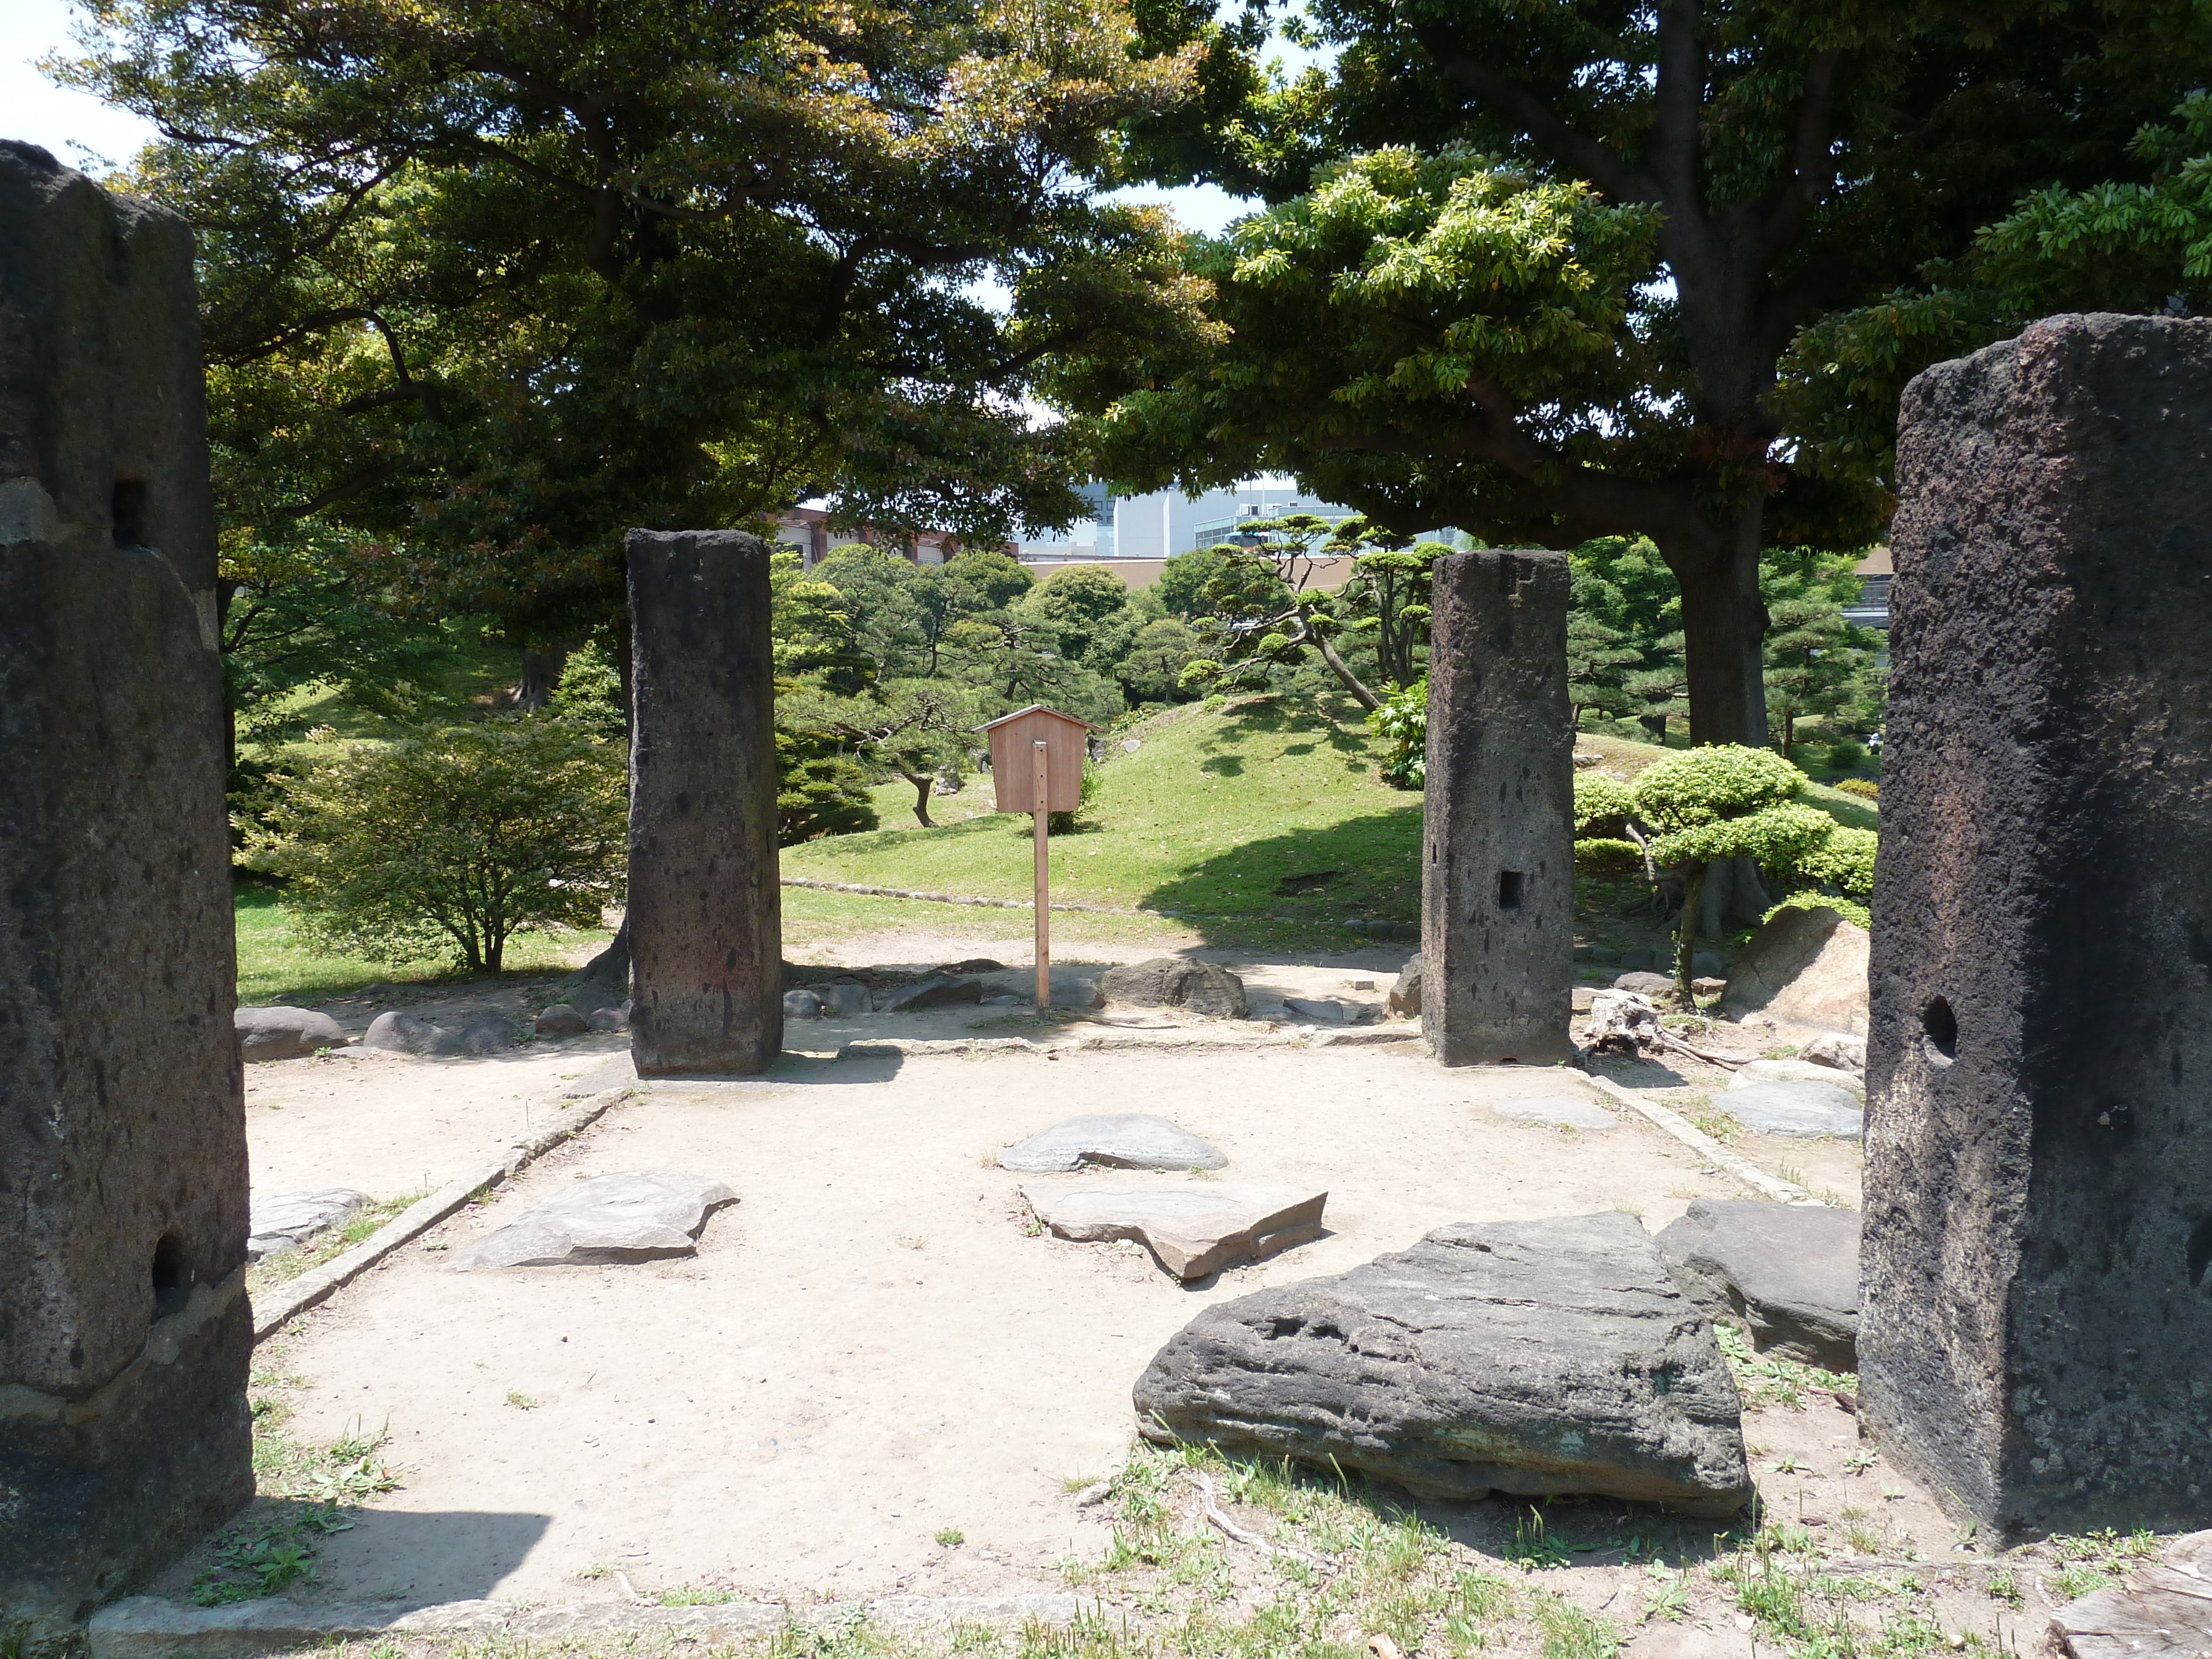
457, 838
1402, 721
1864, 789
1608, 855
1601, 803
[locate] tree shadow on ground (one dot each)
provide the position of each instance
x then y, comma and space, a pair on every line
1376, 858
1251, 717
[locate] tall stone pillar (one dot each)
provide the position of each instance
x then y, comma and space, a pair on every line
124, 1334
1497, 871
2036, 1338
706, 914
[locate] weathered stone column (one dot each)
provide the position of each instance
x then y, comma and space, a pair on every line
1497, 875
706, 914
2036, 1340
124, 1334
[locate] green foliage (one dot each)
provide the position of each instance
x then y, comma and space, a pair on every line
820, 790
1780, 835
1602, 802
1850, 910
461, 837
1402, 722
1085, 609
1842, 858
1865, 788
1707, 785
1816, 664
1152, 671
590, 694
1606, 855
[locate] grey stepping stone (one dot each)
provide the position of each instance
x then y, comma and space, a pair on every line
1756, 1071
1119, 1140
1192, 1229
1523, 1358
1565, 1111
1796, 1108
636, 1216
1788, 1272
284, 1033
283, 1222
1314, 1010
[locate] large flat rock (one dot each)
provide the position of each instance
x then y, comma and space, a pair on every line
1528, 1357
1753, 1071
1801, 1109
635, 1216
1192, 1229
1788, 1272
280, 1033
1172, 982
283, 1222
1115, 1140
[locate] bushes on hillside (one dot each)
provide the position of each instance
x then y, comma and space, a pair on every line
456, 839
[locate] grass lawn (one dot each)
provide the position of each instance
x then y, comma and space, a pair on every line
276, 965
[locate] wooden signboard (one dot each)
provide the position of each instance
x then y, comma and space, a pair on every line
1036, 766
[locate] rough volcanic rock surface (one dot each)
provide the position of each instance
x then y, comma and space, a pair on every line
1789, 1272
635, 1216
1202, 988
1192, 1229
1121, 1141
284, 1033
1532, 1356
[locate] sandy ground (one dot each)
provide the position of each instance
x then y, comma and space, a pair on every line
873, 1345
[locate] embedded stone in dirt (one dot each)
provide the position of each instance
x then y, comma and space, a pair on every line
1564, 1111
1799, 1109
1533, 1357
846, 997
935, 991
284, 1222
2163, 1612
1805, 968
636, 1216
1203, 988
1118, 1141
1314, 1011
1192, 1230
1789, 1272
561, 1020
1753, 1071
1405, 998
1834, 1050
609, 1019
801, 1004
397, 1031
284, 1033
1644, 984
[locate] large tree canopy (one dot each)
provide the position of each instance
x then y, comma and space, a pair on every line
1531, 268
487, 280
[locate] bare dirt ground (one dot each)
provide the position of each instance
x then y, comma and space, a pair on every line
875, 1347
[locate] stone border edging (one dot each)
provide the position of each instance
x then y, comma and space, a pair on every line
1673, 1123
315, 1286
147, 1627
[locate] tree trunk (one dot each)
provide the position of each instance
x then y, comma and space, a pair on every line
1735, 896
922, 784
1685, 943
541, 672
495, 952
1337, 666
1723, 628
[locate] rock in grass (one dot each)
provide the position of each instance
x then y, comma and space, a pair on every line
1119, 1140
1192, 1229
284, 1033
639, 1216
1527, 1358
284, 1222
1788, 1272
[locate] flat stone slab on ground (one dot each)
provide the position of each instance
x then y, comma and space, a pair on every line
283, 1222
2165, 1613
284, 1033
1801, 1109
1562, 1111
1314, 1010
1528, 1357
1202, 988
1789, 1272
1192, 1230
635, 1216
1644, 982
1118, 1141
1753, 1071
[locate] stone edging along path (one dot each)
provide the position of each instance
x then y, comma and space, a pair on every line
147, 1627
294, 1297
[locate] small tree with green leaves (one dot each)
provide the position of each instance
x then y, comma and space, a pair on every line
1726, 801
458, 838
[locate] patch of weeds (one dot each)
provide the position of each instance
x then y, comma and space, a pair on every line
1769, 1380
1787, 1464
1568, 1633
520, 1401
1721, 1126
1859, 1462
1785, 1051
2004, 1586
328, 1246
597, 1570
971, 1640
265, 1555
684, 1596
1669, 1596
1531, 1547
2092, 1561
951, 1537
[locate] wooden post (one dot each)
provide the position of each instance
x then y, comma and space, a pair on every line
1043, 884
